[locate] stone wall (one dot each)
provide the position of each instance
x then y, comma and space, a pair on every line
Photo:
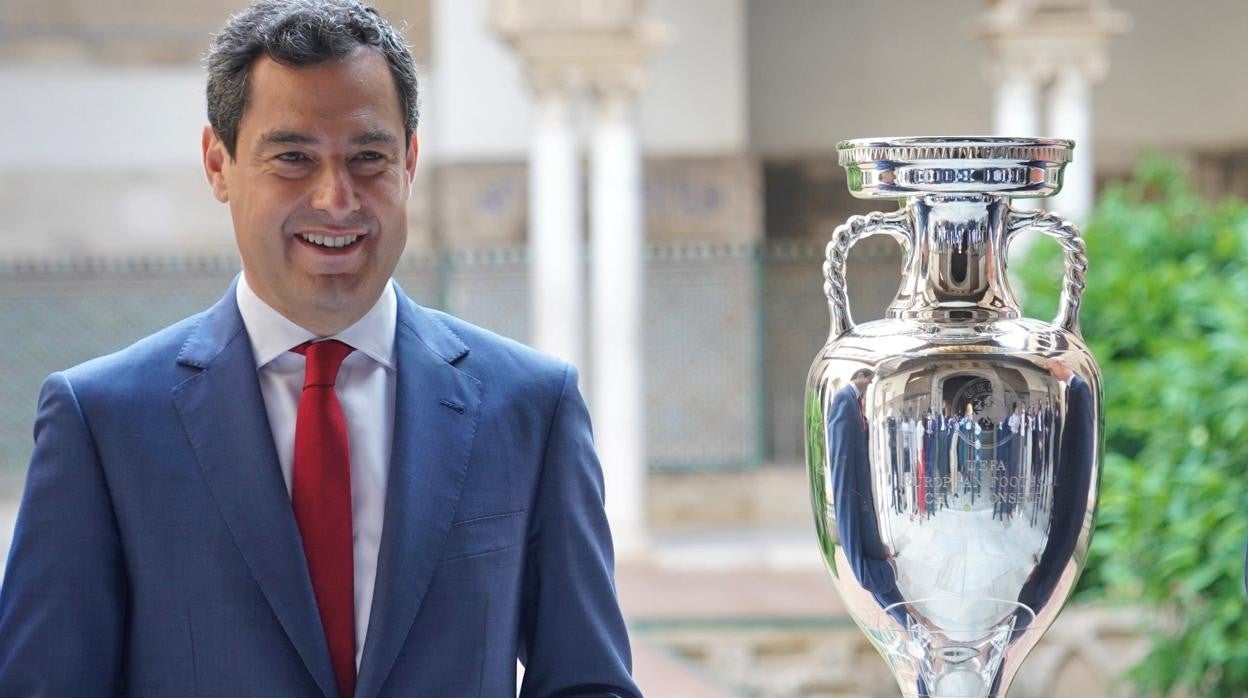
687, 199
147, 31
1084, 654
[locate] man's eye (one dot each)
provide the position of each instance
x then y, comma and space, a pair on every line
370, 155
292, 157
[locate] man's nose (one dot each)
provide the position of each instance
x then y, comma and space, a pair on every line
335, 192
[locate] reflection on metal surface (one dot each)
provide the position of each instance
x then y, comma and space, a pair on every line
949, 646
954, 446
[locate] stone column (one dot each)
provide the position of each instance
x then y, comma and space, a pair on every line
1070, 116
556, 259
616, 283
603, 46
1016, 112
1016, 105
1066, 41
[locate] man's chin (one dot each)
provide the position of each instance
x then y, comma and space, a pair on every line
336, 292
334, 269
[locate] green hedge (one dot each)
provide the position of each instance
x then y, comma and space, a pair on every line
1166, 313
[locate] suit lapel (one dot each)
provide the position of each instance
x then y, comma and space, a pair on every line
435, 415
223, 414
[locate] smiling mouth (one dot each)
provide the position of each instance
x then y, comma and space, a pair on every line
329, 242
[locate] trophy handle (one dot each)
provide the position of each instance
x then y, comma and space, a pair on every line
896, 224
1076, 258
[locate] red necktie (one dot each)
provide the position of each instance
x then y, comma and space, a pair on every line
321, 497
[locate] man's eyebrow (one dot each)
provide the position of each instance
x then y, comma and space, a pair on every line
375, 136
286, 138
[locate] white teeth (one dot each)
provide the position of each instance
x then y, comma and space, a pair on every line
330, 241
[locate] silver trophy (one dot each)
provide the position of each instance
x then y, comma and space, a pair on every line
954, 446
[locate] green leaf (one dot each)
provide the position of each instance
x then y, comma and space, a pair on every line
1166, 314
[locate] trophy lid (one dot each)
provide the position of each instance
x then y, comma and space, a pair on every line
891, 168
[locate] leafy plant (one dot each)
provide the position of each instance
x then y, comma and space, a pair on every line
1166, 314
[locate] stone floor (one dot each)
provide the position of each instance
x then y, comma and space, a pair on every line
727, 620
694, 617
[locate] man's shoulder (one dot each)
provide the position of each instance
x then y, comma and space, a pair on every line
148, 362
491, 355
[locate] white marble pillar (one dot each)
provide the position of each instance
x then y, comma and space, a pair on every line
1067, 42
1070, 116
617, 244
556, 258
603, 46
1016, 112
1016, 108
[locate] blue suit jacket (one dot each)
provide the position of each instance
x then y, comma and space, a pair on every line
156, 553
857, 525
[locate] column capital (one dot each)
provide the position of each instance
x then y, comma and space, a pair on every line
572, 45
1039, 60
615, 87
1007, 64
1036, 39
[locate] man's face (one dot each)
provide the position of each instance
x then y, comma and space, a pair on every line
318, 186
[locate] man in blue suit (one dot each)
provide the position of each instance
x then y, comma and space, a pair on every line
315, 487
857, 523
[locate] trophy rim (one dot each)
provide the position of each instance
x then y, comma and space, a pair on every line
897, 167
959, 148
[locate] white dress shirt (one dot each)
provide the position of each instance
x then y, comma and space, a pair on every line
365, 388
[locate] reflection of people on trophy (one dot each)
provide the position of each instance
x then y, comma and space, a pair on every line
856, 521
1000, 461
1012, 434
896, 476
920, 467
937, 448
1072, 479
970, 462
907, 458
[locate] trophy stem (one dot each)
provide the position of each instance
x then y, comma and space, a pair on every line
956, 271
950, 647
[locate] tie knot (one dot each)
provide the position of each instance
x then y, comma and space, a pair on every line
324, 359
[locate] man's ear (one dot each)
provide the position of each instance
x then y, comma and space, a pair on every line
215, 157
413, 149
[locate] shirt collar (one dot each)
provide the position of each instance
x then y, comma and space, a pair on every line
273, 334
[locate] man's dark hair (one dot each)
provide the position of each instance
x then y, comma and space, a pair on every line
299, 33
862, 373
